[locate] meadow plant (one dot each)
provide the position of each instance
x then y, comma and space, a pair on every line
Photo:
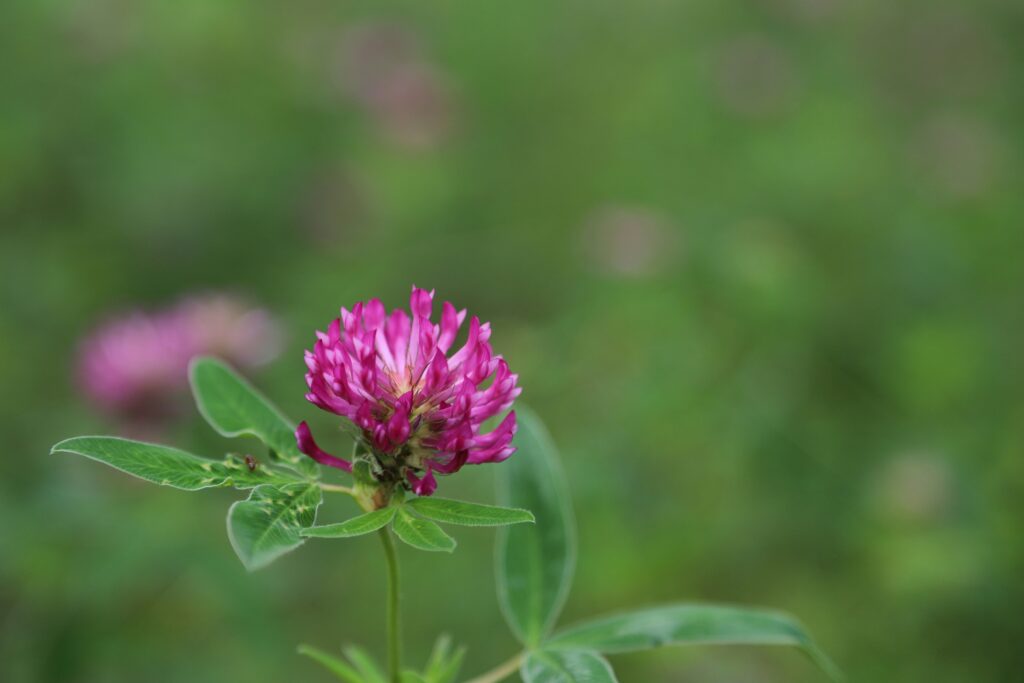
418, 410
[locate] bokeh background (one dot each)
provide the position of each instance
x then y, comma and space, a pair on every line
758, 265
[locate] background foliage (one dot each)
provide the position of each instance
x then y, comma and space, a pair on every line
757, 263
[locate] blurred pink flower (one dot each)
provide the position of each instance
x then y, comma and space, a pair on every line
371, 51
412, 105
221, 325
418, 408
134, 366
916, 488
407, 95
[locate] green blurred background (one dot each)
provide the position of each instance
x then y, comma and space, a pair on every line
758, 265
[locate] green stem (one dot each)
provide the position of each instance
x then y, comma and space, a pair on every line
394, 637
337, 488
501, 672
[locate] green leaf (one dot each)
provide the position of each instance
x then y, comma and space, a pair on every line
168, 466
421, 533
468, 514
333, 664
444, 665
535, 562
357, 526
451, 670
567, 666
691, 624
234, 407
269, 523
438, 655
364, 662
410, 676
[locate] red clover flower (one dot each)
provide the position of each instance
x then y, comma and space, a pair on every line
418, 409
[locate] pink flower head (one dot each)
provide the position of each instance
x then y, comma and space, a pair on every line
419, 409
223, 325
129, 365
135, 366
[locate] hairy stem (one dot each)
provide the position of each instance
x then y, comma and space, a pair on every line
500, 672
339, 489
394, 637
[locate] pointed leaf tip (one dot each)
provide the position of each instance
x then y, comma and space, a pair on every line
449, 511
234, 407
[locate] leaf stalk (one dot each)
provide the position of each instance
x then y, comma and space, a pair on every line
500, 672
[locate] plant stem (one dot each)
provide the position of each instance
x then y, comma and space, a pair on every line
500, 672
394, 637
338, 488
